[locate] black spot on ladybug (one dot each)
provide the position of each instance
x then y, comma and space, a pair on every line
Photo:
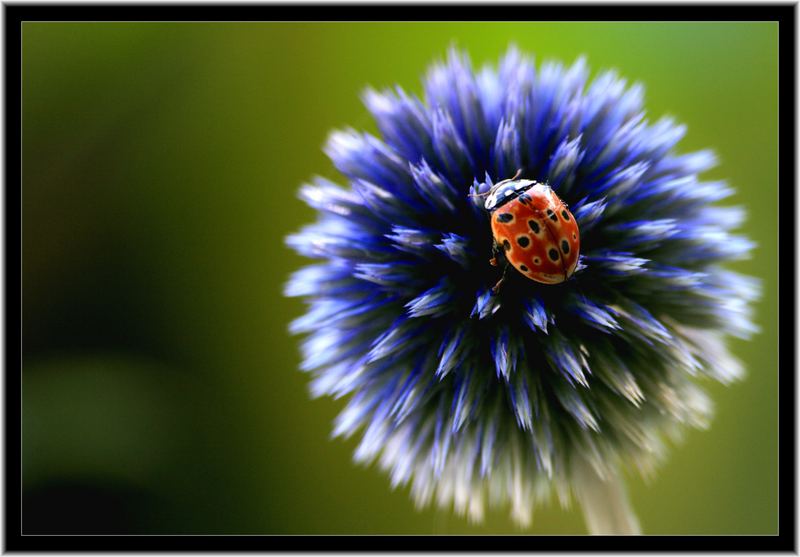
523, 268
524, 241
505, 217
536, 260
565, 246
552, 215
553, 253
574, 236
506, 245
534, 226
525, 199
565, 214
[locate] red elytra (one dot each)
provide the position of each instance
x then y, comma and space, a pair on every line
536, 232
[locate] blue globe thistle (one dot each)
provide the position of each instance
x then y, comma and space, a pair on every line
476, 398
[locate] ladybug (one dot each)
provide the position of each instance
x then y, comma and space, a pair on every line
533, 230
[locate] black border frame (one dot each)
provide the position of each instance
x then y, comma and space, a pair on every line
15, 14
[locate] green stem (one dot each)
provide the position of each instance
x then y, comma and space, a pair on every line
604, 501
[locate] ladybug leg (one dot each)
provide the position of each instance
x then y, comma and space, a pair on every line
496, 287
498, 257
496, 253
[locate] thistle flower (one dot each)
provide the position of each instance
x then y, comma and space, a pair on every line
476, 398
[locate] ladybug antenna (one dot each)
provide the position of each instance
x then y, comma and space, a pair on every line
484, 194
497, 184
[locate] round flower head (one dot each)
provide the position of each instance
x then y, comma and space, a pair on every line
477, 398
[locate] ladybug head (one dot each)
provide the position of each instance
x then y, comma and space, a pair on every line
505, 191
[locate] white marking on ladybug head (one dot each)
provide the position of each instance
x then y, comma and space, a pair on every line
504, 190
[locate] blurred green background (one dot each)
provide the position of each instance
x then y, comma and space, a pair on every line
161, 390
